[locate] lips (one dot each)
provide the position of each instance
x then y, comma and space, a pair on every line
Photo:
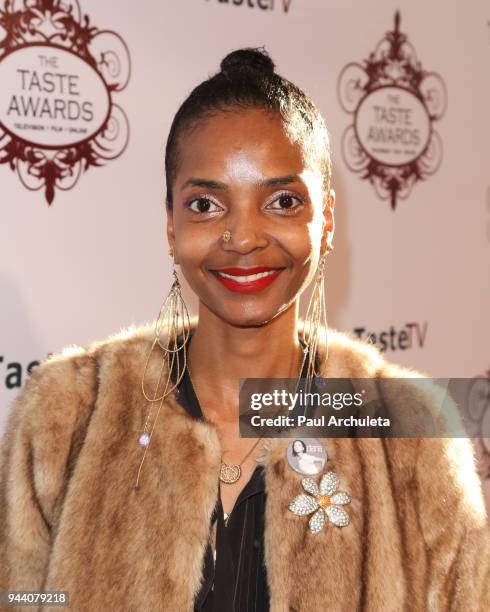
247, 280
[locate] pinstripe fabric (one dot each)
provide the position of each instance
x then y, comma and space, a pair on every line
238, 581
240, 578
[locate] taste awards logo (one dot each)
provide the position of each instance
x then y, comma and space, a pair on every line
394, 103
59, 78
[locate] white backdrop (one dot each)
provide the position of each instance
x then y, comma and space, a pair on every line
95, 259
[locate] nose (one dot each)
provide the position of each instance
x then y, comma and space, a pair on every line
247, 231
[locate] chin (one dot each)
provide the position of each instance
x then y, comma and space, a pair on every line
254, 316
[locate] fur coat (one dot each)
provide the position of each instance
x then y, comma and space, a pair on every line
69, 519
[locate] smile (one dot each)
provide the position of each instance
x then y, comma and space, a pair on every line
247, 280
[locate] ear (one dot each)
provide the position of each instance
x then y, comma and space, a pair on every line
328, 222
170, 231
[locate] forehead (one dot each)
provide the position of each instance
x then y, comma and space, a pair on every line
227, 140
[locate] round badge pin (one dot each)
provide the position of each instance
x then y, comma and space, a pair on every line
306, 456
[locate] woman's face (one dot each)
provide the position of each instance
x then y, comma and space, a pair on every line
298, 447
239, 171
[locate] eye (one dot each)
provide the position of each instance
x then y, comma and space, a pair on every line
287, 202
203, 205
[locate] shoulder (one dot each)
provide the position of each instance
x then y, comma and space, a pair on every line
346, 356
419, 405
350, 357
49, 420
123, 346
62, 389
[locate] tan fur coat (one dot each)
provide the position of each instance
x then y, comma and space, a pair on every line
69, 520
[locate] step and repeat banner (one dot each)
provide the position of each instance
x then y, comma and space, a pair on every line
87, 93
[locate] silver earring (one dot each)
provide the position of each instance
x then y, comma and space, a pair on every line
173, 321
315, 322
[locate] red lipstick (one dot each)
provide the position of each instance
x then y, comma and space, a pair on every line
247, 280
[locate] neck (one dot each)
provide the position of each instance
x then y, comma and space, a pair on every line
220, 354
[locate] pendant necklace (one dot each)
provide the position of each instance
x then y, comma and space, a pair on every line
231, 472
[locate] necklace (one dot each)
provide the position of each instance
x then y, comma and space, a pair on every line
231, 472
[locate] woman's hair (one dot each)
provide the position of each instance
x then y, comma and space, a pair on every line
247, 79
295, 452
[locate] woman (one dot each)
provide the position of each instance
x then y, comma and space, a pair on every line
136, 492
307, 464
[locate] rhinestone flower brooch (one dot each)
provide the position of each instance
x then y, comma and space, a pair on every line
324, 500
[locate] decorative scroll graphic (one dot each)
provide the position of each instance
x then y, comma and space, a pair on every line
394, 103
59, 75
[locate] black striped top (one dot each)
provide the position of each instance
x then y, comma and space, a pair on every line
237, 581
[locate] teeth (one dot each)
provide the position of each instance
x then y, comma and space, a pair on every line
248, 279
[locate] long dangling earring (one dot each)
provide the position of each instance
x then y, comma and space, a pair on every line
173, 321
316, 320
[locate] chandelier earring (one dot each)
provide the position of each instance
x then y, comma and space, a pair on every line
171, 334
315, 322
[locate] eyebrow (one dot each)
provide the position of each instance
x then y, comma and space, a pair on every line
271, 182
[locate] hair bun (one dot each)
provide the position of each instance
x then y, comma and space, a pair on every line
256, 59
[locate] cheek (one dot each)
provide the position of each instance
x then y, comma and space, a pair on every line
304, 242
315, 235
192, 245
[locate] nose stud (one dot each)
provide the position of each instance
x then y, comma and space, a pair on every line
226, 236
